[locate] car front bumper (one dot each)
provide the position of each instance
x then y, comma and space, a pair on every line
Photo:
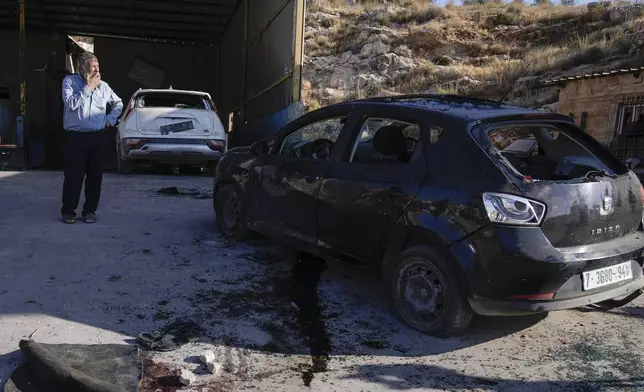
174, 153
513, 271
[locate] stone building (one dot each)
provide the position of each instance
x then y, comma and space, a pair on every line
603, 104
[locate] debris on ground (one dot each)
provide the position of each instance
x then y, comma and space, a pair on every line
207, 356
215, 368
262, 256
173, 336
177, 191
75, 367
187, 377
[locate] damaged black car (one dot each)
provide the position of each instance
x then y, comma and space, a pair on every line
466, 206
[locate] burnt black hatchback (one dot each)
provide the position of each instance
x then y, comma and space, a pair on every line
466, 206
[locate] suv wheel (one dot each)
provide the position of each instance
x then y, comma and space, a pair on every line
425, 294
122, 166
230, 210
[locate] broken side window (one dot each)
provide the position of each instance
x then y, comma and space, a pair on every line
387, 141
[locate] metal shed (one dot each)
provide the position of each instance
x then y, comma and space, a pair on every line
246, 53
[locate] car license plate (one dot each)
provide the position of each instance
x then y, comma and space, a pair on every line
178, 127
605, 276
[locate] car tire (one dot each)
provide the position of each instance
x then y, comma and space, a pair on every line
424, 272
230, 212
122, 166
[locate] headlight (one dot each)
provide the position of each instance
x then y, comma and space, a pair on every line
513, 210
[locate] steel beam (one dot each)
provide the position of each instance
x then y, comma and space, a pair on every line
20, 121
298, 49
163, 17
194, 8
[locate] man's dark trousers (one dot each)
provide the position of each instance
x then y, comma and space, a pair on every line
84, 157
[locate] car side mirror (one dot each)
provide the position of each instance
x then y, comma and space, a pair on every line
259, 148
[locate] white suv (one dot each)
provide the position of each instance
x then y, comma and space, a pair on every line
170, 126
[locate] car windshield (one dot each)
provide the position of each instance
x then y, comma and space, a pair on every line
173, 100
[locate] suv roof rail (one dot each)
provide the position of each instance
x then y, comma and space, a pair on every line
436, 97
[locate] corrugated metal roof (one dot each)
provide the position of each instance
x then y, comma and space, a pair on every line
602, 74
185, 21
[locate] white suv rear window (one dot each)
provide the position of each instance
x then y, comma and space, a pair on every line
173, 100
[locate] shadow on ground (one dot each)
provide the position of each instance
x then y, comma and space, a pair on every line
412, 376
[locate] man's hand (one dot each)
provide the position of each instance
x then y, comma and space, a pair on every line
107, 124
93, 80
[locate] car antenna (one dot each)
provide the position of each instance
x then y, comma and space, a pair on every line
514, 82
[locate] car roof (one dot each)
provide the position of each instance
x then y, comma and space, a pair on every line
170, 90
469, 108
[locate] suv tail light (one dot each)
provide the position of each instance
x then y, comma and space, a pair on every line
513, 210
134, 144
217, 145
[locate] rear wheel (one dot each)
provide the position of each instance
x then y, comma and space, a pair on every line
122, 166
230, 211
425, 294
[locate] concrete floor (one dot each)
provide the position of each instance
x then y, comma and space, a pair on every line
152, 258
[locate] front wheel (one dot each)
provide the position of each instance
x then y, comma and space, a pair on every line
425, 294
230, 211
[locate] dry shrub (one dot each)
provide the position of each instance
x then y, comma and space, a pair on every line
503, 19
516, 7
416, 13
424, 42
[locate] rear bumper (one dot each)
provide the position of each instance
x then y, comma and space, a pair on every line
510, 270
174, 153
489, 307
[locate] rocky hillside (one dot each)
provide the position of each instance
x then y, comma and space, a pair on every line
355, 50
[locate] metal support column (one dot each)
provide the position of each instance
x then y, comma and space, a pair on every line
20, 121
298, 49
242, 104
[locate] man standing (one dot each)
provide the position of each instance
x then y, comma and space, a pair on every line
85, 98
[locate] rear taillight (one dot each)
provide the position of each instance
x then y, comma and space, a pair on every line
216, 145
134, 144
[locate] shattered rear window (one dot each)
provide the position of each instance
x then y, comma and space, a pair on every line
546, 152
173, 100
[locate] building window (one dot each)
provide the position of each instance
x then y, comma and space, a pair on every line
630, 112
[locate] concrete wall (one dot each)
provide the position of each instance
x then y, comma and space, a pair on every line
600, 99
